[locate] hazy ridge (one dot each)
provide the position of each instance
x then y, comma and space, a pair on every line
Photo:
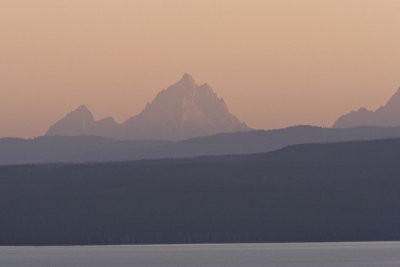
98, 149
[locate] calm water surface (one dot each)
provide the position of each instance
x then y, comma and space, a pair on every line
280, 255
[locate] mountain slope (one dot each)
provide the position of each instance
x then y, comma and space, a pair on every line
304, 193
385, 116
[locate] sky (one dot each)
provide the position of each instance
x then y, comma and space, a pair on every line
275, 62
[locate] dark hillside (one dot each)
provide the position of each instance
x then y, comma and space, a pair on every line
329, 192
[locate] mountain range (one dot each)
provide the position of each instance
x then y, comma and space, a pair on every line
187, 110
183, 110
385, 116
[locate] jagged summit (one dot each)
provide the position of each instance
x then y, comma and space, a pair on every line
385, 116
183, 110
186, 85
82, 109
187, 78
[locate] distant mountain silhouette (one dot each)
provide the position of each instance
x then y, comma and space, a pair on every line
385, 116
95, 149
82, 122
304, 193
183, 110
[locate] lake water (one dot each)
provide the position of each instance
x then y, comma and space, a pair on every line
279, 255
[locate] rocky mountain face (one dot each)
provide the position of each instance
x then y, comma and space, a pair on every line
183, 110
386, 116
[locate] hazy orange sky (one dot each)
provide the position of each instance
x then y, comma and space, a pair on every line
276, 63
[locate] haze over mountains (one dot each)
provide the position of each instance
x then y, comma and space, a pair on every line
186, 110
385, 116
99, 149
183, 110
184, 120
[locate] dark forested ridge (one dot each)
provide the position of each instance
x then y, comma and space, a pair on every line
97, 149
320, 192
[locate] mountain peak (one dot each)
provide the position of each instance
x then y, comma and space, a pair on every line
187, 81
81, 122
76, 122
82, 108
82, 113
187, 76
184, 110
